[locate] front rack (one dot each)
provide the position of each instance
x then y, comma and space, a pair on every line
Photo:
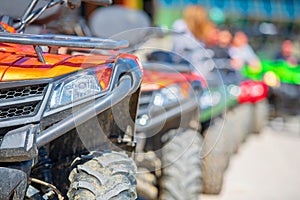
52, 40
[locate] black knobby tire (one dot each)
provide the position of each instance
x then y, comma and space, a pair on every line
243, 114
181, 162
216, 155
105, 175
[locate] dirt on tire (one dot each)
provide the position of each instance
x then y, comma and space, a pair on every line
105, 175
181, 161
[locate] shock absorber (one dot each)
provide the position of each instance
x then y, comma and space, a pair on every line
47, 164
41, 178
42, 170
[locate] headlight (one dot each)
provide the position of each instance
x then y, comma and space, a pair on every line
234, 90
257, 90
143, 120
76, 87
168, 95
209, 99
271, 79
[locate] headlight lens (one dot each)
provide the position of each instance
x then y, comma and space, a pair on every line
234, 90
257, 90
79, 86
210, 99
271, 79
168, 96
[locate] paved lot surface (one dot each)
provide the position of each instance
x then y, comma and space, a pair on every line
266, 167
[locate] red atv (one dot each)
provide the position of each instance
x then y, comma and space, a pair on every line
255, 93
169, 142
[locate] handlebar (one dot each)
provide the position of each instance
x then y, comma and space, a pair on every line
63, 41
98, 2
30, 14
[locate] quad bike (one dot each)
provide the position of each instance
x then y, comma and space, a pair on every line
67, 122
217, 98
169, 142
255, 93
220, 140
250, 100
168, 154
283, 81
214, 99
250, 95
162, 134
230, 119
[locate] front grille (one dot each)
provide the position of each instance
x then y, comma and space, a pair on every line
21, 101
23, 110
23, 91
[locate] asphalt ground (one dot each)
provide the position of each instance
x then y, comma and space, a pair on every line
266, 166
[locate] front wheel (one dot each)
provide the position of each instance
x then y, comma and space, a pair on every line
181, 160
216, 153
103, 175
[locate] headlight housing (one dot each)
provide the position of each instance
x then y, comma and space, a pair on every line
209, 99
271, 79
168, 96
84, 84
234, 90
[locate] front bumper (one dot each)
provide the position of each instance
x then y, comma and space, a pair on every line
19, 144
22, 143
184, 112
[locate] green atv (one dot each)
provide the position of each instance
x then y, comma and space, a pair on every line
283, 80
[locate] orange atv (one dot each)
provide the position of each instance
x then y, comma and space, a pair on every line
67, 122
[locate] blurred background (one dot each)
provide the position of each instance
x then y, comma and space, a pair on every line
266, 22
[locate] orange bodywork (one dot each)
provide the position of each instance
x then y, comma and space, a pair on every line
158, 80
8, 28
155, 80
20, 62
